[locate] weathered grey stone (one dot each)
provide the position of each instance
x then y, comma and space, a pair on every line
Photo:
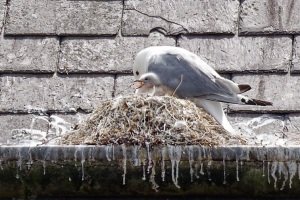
105, 54
17, 127
123, 83
32, 17
282, 90
2, 12
89, 17
29, 93
63, 17
257, 123
60, 124
293, 123
296, 55
240, 54
180, 16
268, 16
29, 54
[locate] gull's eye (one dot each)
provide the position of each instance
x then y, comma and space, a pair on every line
146, 79
137, 73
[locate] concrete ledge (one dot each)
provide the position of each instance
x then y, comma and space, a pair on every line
164, 171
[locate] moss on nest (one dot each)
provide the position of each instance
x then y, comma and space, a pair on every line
156, 120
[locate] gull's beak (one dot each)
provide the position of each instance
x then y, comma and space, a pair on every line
137, 84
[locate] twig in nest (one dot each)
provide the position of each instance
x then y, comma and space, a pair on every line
181, 79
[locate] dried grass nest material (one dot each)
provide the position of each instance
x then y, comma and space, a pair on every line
156, 120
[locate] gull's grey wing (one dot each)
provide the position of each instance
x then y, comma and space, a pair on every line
172, 68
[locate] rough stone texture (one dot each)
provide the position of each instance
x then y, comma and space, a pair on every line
180, 16
28, 93
13, 125
293, 122
28, 54
241, 54
268, 16
2, 13
282, 90
122, 86
296, 56
258, 123
112, 54
32, 17
59, 124
63, 17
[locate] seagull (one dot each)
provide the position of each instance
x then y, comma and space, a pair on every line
167, 70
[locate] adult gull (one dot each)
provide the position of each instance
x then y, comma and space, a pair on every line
161, 70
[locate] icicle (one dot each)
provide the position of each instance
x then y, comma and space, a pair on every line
82, 169
136, 160
149, 153
175, 156
44, 166
208, 169
19, 164
269, 181
92, 153
163, 170
1, 167
17, 175
108, 152
30, 162
75, 157
124, 163
144, 170
273, 169
299, 171
292, 165
242, 165
191, 160
224, 169
152, 179
201, 168
237, 170
263, 168
282, 169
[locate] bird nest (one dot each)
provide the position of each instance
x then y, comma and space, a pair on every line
156, 120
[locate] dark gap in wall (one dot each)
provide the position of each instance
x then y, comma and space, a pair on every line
239, 17
121, 25
114, 87
293, 54
59, 55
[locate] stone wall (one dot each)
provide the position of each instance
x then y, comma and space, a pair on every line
60, 58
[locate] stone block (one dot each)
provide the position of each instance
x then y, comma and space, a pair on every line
63, 17
123, 85
43, 93
28, 54
2, 12
240, 54
111, 54
18, 128
296, 55
180, 16
268, 16
31, 18
89, 17
282, 90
